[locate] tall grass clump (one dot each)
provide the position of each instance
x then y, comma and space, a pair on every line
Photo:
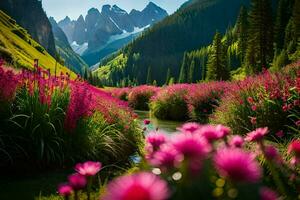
50, 121
267, 100
139, 97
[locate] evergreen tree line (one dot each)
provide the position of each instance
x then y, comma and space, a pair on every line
261, 38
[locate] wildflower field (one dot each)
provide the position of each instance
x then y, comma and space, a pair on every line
54, 122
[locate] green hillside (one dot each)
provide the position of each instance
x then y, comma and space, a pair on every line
162, 47
19, 49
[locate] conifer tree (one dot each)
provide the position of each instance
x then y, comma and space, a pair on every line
216, 65
280, 61
242, 32
149, 77
260, 35
168, 76
281, 22
191, 72
182, 74
296, 19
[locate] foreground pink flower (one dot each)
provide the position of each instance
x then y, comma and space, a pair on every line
167, 157
224, 130
141, 186
294, 148
155, 139
211, 133
267, 194
64, 190
237, 165
236, 141
191, 146
77, 181
88, 168
257, 135
189, 128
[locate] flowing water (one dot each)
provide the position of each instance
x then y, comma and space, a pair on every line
162, 125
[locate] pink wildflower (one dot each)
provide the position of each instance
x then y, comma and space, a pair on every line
77, 181
254, 107
147, 121
141, 186
155, 139
210, 133
236, 141
88, 168
271, 152
294, 148
237, 165
64, 190
257, 135
267, 194
191, 146
280, 134
250, 100
189, 128
167, 157
253, 120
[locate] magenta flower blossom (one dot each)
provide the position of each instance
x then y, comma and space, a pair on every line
77, 181
189, 128
294, 148
64, 190
141, 186
167, 157
224, 131
147, 121
268, 194
155, 139
237, 165
271, 152
211, 133
236, 141
88, 168
257, 135
191, 146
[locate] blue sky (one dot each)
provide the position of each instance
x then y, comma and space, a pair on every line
73, 8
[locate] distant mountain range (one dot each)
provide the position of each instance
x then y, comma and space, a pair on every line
161, 48
64, 50
101, 33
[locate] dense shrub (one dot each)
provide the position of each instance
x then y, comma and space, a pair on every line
139, 97
204, 98
51, 121
121, 93
270, 100
183, 101
170, 103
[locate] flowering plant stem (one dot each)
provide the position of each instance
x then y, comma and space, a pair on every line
90, 182
76, 195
